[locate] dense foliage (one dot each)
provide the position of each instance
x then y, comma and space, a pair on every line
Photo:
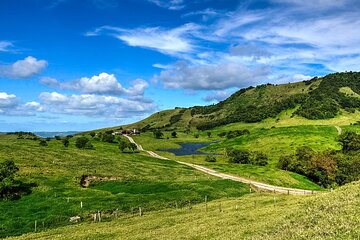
327, 168
326, 100
246, 157
9, 186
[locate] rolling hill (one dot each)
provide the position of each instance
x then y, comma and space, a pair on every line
319, 98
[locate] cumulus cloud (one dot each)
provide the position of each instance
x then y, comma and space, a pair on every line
22, 69
169, 4
211, 77
103, 83
167, 41
95, 105
10, 104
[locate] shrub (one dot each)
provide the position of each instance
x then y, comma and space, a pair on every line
9, 186
350, 141
174, 134
81, 142
66, 142
108, 137
239, 156
158, 134
43, 143
260, 159
89, 146
57, 137
210, 159
92, 134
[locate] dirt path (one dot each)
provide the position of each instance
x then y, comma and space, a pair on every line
255, 184
338, 129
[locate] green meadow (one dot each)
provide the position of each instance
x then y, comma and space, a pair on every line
139, 181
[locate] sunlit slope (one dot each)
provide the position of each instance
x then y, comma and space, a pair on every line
333, 215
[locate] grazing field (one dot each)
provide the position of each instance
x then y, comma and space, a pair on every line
333, 215
138, 181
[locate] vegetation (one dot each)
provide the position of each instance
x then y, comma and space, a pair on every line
333, 215
137, 181
43, 143
209, 158
10, 187
158, 134
83, 143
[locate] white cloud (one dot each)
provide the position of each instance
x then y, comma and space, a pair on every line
11, 105
6, 46
167, 41
103, 83
26, 68
7, 100
211, 77
169, 4
95, 105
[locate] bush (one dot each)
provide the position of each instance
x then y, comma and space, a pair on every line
9, 186
43, 143
92, 134
158, 134
57, 137
66, 142
210, 159
239, 156
81, 142
350, 141
108, 137
89, 146
174, 134
260, 159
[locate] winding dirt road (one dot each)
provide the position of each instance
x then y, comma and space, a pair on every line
255, 184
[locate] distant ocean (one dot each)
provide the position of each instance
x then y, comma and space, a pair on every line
53, 134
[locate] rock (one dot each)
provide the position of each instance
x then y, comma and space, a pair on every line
75, 219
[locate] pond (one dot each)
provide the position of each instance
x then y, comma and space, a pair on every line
188, 149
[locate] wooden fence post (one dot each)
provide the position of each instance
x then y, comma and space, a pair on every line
206, 206
140, 212
35, 225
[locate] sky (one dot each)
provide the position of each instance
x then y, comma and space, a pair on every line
86, 64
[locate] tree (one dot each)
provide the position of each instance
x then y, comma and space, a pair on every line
92, 134
209, 134
81, 142
239, 156
350, 141
89, 146
66, 142
260, 159
57, 137
174, 134
43, 143
158, 134
122, 145
196, 135
132, 146
8, 170
108, 137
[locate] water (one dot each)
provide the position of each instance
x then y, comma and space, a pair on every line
53, 134
188, 149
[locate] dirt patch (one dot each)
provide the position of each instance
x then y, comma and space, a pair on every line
86, 179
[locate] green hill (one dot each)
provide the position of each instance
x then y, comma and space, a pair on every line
318, 98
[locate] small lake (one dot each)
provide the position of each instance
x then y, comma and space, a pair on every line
188, 149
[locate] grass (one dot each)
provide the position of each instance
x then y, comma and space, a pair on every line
141, 181
333, 215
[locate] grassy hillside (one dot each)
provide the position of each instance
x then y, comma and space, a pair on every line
137, 181
319, 98
332, 215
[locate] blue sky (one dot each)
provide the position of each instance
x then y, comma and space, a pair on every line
84, 64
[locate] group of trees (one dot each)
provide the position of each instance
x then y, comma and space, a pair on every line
327, 168
233, 134
326, 100
246, 157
